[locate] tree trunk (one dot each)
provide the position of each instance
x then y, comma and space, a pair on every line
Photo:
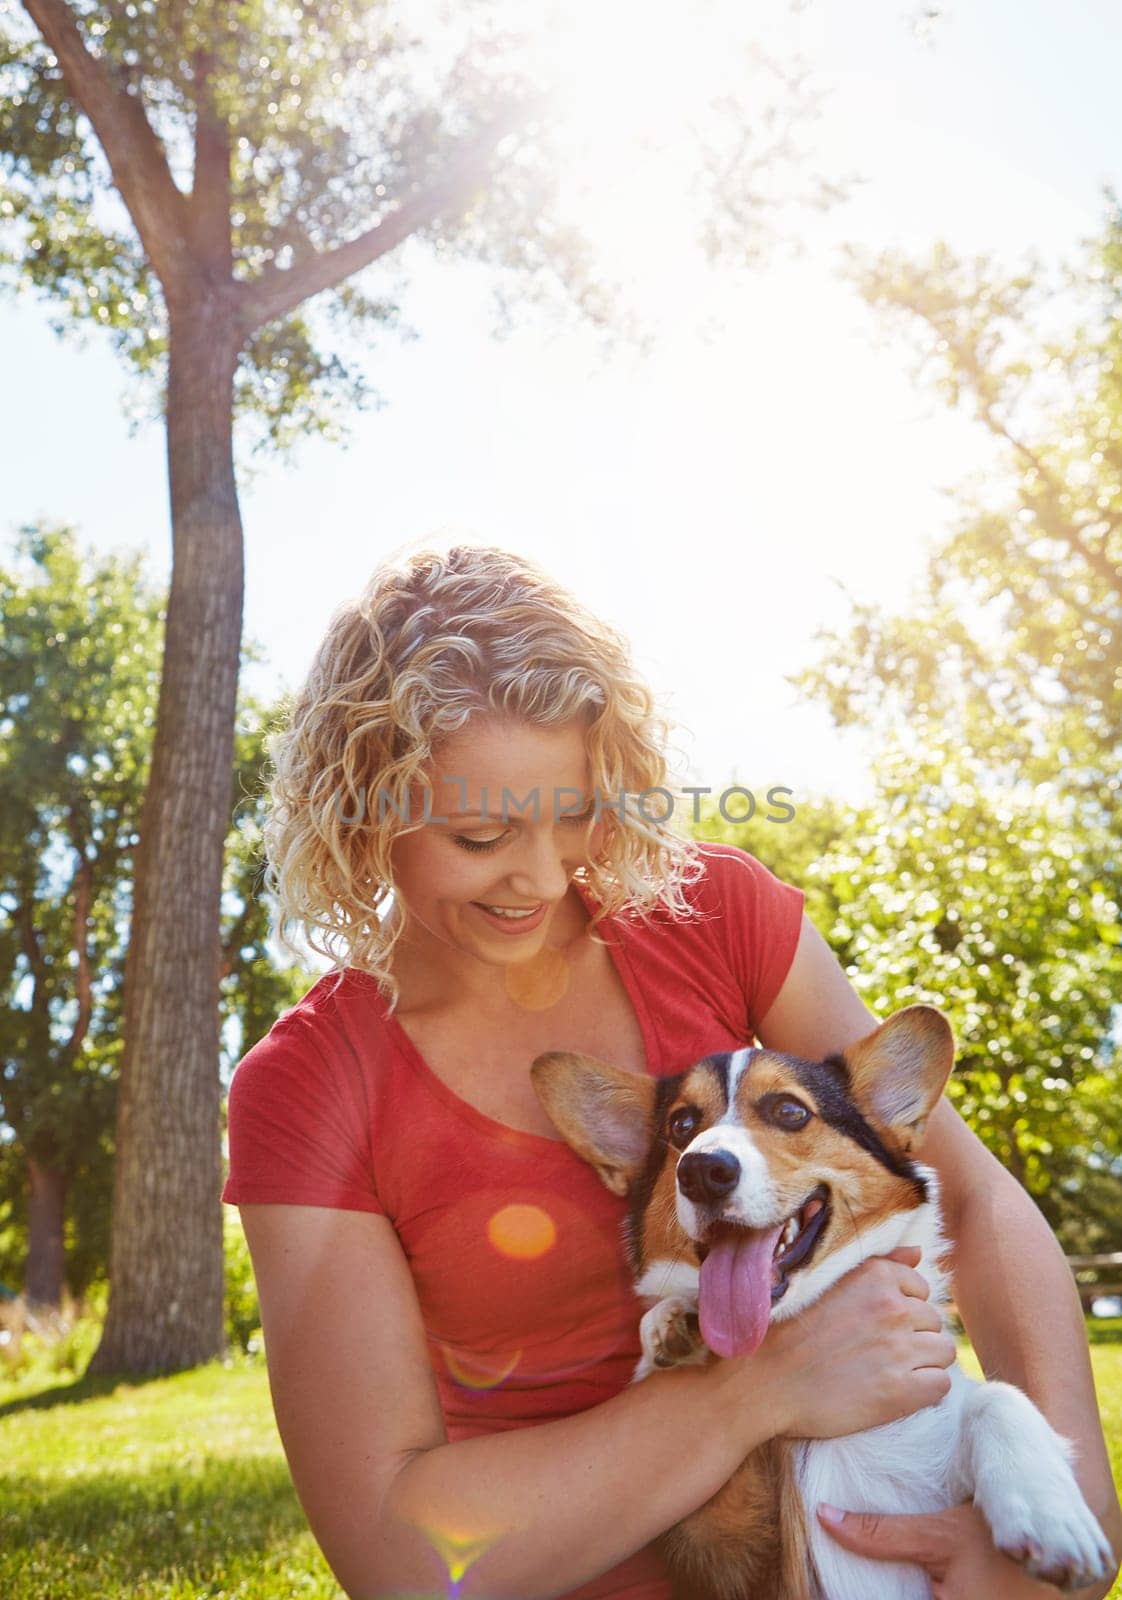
166, 1266
46, 1215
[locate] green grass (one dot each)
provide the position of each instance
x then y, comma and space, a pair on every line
1107, 1360
176, 1488
169, 1489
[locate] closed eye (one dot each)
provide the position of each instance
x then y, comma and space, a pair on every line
580, 820
479, 844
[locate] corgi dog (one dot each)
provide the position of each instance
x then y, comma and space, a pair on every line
756, 1181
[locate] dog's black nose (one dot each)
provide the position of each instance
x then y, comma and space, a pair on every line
708, 1174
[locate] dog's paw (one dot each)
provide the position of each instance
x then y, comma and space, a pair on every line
1046, 1526
670, 1334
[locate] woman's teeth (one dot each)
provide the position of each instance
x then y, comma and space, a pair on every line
509, 911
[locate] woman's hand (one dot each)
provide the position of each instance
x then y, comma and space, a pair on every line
870, 1351
953, 1547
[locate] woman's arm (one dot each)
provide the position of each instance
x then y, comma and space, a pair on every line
537, 1511
1012, 1284
528, 1512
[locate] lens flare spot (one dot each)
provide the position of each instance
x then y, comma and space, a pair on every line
475, 1371
458, 1549
522, 1232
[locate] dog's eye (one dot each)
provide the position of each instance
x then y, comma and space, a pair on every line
785, 1111
683, 1124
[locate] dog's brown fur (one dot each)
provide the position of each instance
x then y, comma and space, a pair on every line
749, 1539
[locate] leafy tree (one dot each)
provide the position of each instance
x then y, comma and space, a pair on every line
79, 670
1011, 658
791, 847
254, 987
78, 684
242, 154
1015, 641
996, 907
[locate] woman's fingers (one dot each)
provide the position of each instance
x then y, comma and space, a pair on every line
902, 1274
932, 1384
927, 1540
954, 1547
925, 1318
911, 1283
908, 1254
935, 1350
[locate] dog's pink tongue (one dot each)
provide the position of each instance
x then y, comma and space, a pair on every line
734, 1290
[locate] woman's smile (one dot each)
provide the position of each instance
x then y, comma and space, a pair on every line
514, 920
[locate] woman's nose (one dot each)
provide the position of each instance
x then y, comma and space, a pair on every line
542, 871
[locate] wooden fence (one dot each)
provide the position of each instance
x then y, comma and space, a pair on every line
1097, 1275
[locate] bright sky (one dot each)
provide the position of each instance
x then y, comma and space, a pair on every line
708, 498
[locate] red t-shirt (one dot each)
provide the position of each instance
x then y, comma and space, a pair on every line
514, 1243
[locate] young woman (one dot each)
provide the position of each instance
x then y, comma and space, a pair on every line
449, 1328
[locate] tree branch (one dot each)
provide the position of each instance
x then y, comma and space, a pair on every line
80, 886
32, 949
1054, 521
274, 293
209, 205
135, 155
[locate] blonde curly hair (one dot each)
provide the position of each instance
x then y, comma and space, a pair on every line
438, 636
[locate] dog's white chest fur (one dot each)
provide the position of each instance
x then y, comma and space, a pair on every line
905, 1466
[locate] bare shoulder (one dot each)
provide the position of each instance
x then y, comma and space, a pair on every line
343, 1334
817, 1010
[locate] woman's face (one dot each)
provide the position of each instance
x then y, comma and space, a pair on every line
472, 855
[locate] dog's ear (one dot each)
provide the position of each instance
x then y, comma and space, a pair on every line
603, 1112
897, 1073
